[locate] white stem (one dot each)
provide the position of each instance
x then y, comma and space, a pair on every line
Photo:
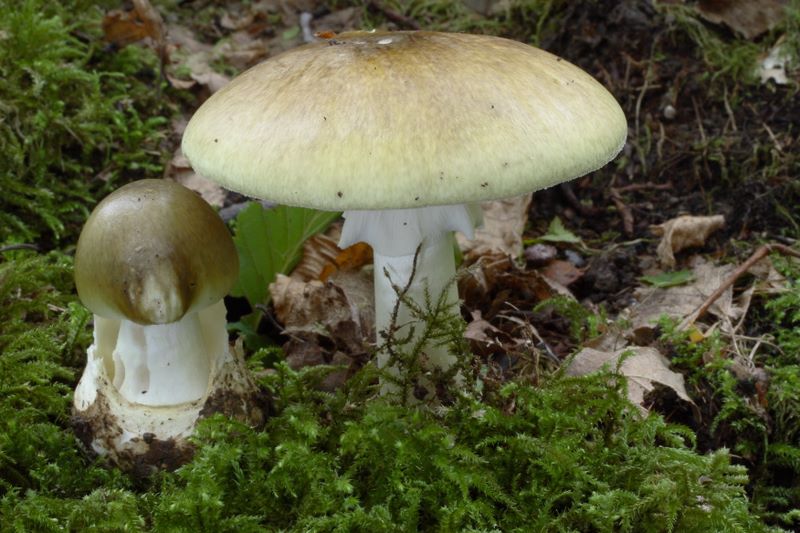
394, 236
435, 271
163, 364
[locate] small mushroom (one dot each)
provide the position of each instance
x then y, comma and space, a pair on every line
405, 132
153, 263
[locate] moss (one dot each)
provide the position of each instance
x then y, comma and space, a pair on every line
571, 454
756, 415
75, 115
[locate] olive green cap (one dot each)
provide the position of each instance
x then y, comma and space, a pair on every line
374, 120
153, 251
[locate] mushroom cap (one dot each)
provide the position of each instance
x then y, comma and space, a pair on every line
375, 120
153, 251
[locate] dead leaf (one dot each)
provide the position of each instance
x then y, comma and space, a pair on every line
486, 339
327, 323
241, 50
351, 258
318, 251
494, 283
643, 367
143, 22
562, 272
501, 233
681, 301
684, 232
339, 21
180, 170
749, 18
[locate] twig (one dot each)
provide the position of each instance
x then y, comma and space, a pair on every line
643, 186
759, 254
572, 200
394, 16
624, 211
21, 246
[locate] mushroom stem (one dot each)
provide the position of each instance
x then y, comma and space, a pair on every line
161, 364
395, 235
434, 273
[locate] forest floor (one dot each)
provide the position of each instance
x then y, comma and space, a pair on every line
673, 268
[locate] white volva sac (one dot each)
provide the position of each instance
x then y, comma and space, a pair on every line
153, 263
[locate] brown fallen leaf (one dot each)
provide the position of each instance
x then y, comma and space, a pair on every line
180, 170
484, 338
318, 251
684, 232
192, 58
351, 258
327, 323
562, 272
143, 22
494, 282
749, 18
643, 367
501, 232
680, 301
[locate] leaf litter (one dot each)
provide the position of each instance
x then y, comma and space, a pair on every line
497, 290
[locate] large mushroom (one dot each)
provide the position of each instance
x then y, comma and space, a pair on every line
404, 132
153, 263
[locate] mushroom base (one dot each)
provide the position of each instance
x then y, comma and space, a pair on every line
144, 439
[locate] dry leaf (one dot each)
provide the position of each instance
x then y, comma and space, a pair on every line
351, 258
749, 18
562, 272
180, 170
682, 301
318, 251
684, 232
494, 283
143, 22
643, 367
327, 323
322, 257
501, 233
486, 339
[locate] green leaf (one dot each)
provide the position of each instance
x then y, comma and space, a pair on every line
669, 279
556, 232
291, 33
270, 242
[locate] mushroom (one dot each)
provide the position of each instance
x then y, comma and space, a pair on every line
153, 263
405, 132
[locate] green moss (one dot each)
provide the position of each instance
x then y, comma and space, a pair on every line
75, 114
570, 455
759, 420
41, 349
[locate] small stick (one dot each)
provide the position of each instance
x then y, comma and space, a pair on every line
644, 186
624, 211
394, 16
583, 210
759, 254
22, 246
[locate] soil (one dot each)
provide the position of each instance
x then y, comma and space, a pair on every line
702, 141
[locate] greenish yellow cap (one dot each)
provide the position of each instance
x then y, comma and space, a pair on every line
375, 120
153, 251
